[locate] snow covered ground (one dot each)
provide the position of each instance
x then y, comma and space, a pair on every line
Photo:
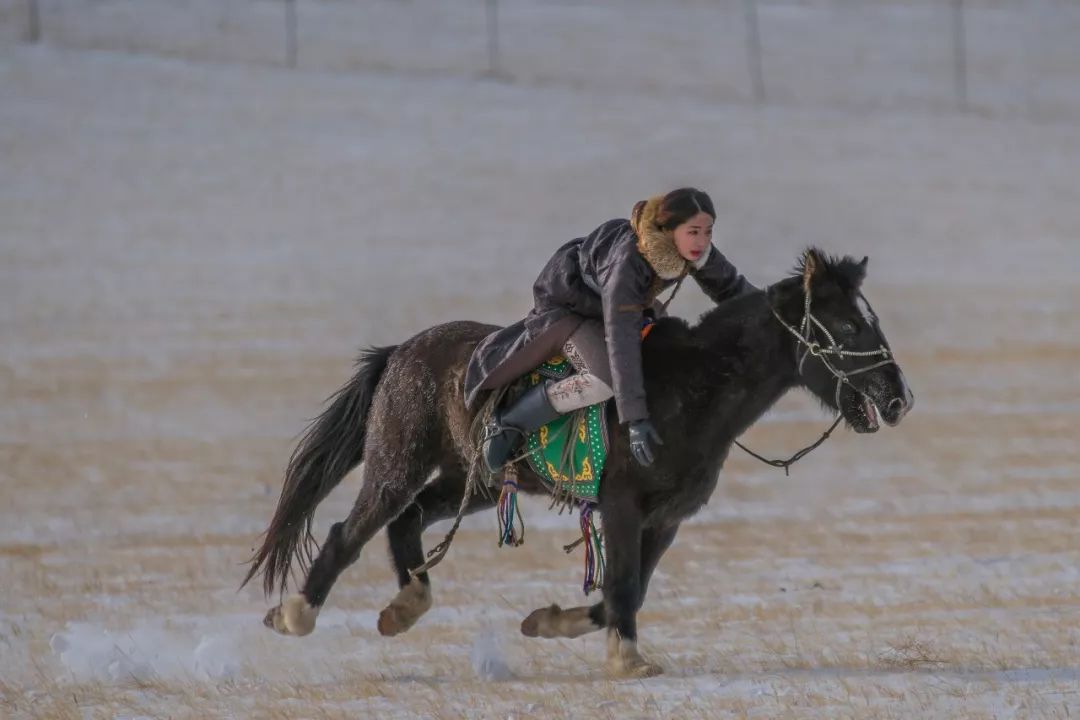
191, 254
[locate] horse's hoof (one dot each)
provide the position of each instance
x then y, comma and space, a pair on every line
391, 622
411, 603
539, 620
625, 662
273, 619
292, 617
554, 622
633, 670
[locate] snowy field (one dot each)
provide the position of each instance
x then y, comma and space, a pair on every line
191, 254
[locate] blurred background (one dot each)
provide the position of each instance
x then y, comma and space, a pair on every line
989, 56
208, 207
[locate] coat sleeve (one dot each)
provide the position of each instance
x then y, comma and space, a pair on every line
719, 279
624, 283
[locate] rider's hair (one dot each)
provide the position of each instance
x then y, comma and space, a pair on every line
680, 205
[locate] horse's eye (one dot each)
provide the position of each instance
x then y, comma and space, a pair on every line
848, 328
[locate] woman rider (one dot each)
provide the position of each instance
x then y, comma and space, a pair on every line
590, 302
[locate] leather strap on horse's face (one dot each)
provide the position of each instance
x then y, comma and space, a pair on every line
805, 336
815, 349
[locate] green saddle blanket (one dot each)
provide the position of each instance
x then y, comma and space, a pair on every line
569, 453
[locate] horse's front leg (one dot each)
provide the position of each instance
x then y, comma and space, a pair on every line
555, 622
623, 588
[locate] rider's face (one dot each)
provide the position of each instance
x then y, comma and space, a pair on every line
693, 237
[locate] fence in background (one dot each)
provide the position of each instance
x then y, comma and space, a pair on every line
982, 55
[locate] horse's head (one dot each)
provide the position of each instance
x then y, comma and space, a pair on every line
842, 356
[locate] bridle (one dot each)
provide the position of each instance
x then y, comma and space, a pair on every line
807, 345
805, 338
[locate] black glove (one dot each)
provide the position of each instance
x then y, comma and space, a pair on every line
642, 436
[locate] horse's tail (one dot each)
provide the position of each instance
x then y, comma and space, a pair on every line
332, 445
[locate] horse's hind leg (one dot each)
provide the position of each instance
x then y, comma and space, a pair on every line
439, 500
390, 484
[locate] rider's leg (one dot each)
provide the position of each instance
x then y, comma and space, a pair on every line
540, 404
528, 413
587, 352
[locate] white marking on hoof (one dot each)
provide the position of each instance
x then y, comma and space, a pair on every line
411, 602
625, 662
554, 622
292, 617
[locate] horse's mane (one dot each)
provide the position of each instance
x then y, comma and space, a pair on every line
731, 316
845, 271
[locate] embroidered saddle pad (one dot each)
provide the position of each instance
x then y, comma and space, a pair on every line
569, 453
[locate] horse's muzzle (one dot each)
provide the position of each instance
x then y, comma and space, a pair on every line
898, 407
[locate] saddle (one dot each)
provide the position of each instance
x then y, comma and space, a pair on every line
569, 453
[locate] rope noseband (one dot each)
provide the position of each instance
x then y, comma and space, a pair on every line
805, 341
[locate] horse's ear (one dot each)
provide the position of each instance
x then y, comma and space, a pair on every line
813, 263
864, 263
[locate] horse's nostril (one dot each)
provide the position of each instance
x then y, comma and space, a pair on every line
896, 406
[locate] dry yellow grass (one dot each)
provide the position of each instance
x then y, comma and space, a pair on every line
892, 596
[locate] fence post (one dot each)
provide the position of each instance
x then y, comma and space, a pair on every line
33, 21
753, 50
291, 44
959, 55
290, 33
492, 7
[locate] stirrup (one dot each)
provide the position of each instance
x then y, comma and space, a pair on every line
498, 443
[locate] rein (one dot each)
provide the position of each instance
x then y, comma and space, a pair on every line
786, 464
804, 337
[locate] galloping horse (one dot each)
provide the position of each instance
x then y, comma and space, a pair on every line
404, 415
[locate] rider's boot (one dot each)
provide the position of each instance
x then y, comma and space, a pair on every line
511, 426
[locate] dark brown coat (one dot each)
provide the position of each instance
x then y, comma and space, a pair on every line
613, 275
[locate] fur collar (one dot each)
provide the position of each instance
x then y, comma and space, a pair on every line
657, 246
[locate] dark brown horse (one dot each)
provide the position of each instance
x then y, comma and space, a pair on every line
403, 414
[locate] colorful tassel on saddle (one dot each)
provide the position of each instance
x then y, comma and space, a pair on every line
508, 513
594, 550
